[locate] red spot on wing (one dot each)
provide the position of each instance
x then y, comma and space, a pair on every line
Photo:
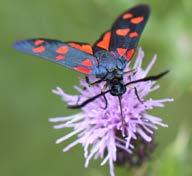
122, 32
39, 42
84, 47
104, 43
39, 49
133, 35
75, 45
87, 49
59, 57
127, 16
137, 20
82, 69
87, 62
62, 50
130, 54
121, 51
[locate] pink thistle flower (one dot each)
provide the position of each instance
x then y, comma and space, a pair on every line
96, 128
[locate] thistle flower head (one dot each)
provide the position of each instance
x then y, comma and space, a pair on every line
97, 129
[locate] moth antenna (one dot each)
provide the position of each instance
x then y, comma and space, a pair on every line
137, 95
149, 78
87, 101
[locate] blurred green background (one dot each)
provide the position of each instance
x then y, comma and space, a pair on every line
26, 102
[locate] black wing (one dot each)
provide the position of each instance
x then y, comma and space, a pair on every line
125, 32
77, 56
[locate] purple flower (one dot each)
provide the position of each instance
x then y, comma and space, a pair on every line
96, 128
142, 152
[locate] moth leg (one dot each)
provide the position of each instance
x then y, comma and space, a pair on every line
96, 82
84, 88
87, 80
106, 102
104, 87
130, 71
78, 99
137, 95
103, 90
